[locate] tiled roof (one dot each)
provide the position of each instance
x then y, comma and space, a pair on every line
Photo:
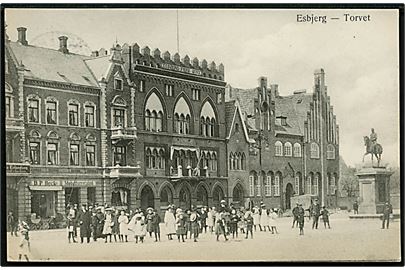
99, 66
52, 65
295, 108
229, 113
246, 99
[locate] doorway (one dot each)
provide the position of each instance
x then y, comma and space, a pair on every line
185, 198
147, 198
289, 191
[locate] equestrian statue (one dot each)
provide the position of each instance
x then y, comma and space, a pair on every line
372, 147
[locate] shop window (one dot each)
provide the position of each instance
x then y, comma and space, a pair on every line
91, 195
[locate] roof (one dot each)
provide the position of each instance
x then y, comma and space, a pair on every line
99, 66
246, 99
53, 65
232, 109
294, 108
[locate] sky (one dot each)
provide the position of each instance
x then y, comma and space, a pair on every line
360, 59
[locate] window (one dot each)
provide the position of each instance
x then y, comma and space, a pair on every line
118, 84
308, 185
297, 150
236, 127
51, 112
33, 110
74, 154
330, 152
118, 117
90, 155
315, 185
333, 185
279, 148
267, 186
196, 94
243, 161
8, 106
314, 150
214, 162
161, 159
297, 183
89, 115
119, 155
73, 114
208, 126
277, 185
283, 121
141, 86
182, 124
251, 185
35, 153
52, 149
219, 98
258, 188
288, 149
169, 90
154, 116
231, 167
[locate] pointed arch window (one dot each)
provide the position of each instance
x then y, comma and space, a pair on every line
154, 114
267, 184
208, 120
277, 185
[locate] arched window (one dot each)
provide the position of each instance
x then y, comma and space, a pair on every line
155, 159
9, 101
161, 164
154, 114
333, 183
308, 184
52, 148
214, 161
297, 183
258, 184
277, 184
278, 148
267, 184
148, 158
208, 120
231, 161
34, 109
183, 119
243, 161
330, 152
328, 179
252, 178
314, 150
288, 149
316, 184
297, 150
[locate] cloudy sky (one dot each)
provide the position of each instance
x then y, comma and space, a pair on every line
360, 58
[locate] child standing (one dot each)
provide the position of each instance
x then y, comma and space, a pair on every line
180, 225
273, 221
123, 221
256, 217
325, 216
70, 228
234, 218
249, 224
24, 246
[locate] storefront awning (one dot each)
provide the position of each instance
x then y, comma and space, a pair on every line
46, 188
179, 148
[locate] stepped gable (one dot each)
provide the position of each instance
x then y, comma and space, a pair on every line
176, 62
53, 65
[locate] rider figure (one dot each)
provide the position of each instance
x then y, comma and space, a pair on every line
373, 139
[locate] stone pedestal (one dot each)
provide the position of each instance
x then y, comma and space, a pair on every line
374, 189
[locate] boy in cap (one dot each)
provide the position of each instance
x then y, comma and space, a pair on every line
249, 224
387, 211
316, 211
301, 214
325, 216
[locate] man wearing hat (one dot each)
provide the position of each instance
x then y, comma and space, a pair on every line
316, 211
295, 215
84, 219
194, 228
387, 211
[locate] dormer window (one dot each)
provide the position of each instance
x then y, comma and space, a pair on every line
282, 120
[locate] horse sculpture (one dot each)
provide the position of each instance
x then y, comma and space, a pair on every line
375, 150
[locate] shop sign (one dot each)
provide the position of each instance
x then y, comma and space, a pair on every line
67, 183
181, 69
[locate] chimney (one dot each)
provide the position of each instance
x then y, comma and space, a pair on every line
94, 53
274, 90
63, 44
22, 35
319, 81
262, 82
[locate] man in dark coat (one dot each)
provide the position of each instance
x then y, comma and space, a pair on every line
316, 212
356, 208
100, 223
301, 214
387, 211
12, 223
84, 218
295, 215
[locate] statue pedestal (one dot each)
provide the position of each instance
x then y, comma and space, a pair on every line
374, 189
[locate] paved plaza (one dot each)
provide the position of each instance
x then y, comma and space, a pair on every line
360, 240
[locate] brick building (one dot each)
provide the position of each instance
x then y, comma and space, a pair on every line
282, 146
137, 128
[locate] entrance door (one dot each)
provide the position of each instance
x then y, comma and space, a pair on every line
237, 195
289, 191
217, 196
185, 198
72, 196
147, 198
43, 203
202, 196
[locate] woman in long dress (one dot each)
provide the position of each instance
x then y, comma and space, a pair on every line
137, 225
273, 216
123, 221
210, 220
256, 217
170, 222
264, 219
108, 223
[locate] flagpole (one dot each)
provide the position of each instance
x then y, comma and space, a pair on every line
178, 40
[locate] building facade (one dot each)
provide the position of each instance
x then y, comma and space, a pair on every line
132, 127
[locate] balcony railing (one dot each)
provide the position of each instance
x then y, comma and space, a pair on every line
18, 169
125, 171
122, 133
188, 172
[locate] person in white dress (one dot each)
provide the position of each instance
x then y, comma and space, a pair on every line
210, 220
170, 222
123, 221
108, 223
273, 216
24, 245
256, 217
137, 226
264, 219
